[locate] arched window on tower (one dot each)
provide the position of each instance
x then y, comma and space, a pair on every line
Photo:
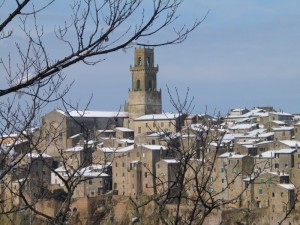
139, 61
150, 85
138, 85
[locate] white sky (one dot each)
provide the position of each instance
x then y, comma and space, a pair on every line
245, 54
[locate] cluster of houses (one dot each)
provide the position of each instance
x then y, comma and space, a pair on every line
256, 163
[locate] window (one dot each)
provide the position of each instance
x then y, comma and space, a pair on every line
298, 165
222, 170
123, 174
273, 194
146, 174
132, 186
90, 182
158, 166
260, 191
139, 130
92, 194
150, 84
44, 172
138, 85
269, 180
298, 156
137, 154
286, 165
276, 165
140, 61
262, 180
123, 164
162, 124
148, 61
116, 164
223, 180
146, 185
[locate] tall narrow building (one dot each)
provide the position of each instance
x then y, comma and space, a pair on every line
143, 98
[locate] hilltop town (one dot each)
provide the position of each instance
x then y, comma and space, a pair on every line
146, 166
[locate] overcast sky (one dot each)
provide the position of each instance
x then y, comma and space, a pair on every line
245, 54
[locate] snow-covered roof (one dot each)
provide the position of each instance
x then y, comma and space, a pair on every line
237, 156
277, 173
163, 116
226, 154
123, 129
264, 142
126, 140
198, 127
267, 154
104, 114
107, 149
74, 149
75, 135
281, 113
282, 128
265, 135
126, 149
154, 147
243, 126
95, 174
156, 134
278, 122
171, 161
287, 186
291, 143
285, 151
37, 155
106, 131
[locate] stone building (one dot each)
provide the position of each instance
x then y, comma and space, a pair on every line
60, 129
133, 168
156, 123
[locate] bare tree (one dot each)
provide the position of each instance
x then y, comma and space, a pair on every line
35, 78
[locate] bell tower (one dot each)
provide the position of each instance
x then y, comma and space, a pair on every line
143, 98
